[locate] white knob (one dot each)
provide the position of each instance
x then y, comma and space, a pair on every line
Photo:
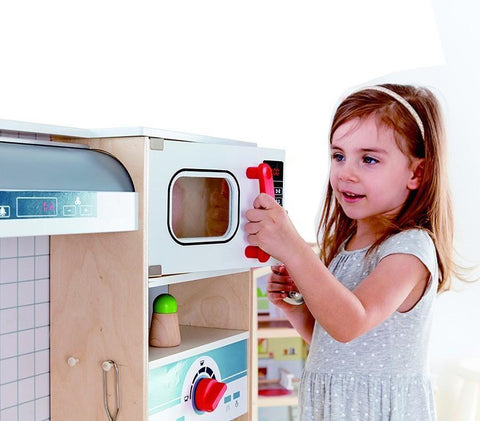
72, 361
107, 365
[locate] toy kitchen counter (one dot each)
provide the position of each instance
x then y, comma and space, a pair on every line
102, 282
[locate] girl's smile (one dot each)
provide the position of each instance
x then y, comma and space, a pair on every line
350, 197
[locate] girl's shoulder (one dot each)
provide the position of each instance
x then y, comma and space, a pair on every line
413, 241
409, 238
409, 235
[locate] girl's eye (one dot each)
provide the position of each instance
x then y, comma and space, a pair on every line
370, 160
336, 156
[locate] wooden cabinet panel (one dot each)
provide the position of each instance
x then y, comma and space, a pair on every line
98, 312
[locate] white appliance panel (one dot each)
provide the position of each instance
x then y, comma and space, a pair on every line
177, 255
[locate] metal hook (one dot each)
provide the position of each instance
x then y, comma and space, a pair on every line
106, 366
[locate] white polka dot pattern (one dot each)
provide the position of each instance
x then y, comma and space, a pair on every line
381, 375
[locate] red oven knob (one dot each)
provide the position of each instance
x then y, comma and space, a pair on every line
208, 394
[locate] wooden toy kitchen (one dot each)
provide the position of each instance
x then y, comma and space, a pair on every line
135, 214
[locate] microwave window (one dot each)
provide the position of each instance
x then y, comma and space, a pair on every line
200, 207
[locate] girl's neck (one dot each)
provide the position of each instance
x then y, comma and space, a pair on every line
365, 235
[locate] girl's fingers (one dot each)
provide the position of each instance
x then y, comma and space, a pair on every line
252, 240
283, 289
264, 201
251, 227
276, 296
279, 270
279, 284
256, 215
281, 278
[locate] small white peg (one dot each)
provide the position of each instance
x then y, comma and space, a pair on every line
107, 365
72, 361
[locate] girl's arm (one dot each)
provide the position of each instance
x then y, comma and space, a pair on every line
398, 279
299, 316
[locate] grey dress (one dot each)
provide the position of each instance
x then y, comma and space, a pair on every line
383, 374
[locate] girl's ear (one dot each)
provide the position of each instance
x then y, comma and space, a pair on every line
417, 169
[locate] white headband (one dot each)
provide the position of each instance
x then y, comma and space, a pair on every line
402, 101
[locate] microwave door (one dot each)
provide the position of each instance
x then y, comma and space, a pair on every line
198, 195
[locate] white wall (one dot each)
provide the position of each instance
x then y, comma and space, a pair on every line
266, 71
457, 83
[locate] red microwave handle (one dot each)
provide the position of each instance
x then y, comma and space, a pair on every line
265, 178
265, 182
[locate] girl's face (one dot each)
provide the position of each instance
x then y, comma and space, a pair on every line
370, 175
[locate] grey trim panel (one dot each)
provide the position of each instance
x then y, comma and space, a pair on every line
51, 167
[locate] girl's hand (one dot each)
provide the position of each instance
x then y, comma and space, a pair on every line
271, 229
279, 284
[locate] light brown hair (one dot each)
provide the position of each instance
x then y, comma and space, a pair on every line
429, 207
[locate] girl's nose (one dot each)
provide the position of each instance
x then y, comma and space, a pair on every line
347, 173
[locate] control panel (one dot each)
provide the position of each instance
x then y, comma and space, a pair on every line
47, 204
277, 173
211, 386
201, 387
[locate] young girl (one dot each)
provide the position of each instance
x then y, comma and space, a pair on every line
386, 250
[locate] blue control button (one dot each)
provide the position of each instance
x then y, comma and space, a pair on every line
227, 399
236, 395
69, 210
86, 210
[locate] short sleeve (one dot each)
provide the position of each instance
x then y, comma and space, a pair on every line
413, 241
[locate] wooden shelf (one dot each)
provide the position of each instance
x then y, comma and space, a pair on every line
194, 341
190, 276
268, 319
276, 329
284, 400
275, 332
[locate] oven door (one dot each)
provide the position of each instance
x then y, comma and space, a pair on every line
198, 195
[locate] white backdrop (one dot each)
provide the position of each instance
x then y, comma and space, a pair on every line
263, 71
267, 71
457, 83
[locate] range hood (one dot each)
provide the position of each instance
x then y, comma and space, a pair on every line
50, 188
